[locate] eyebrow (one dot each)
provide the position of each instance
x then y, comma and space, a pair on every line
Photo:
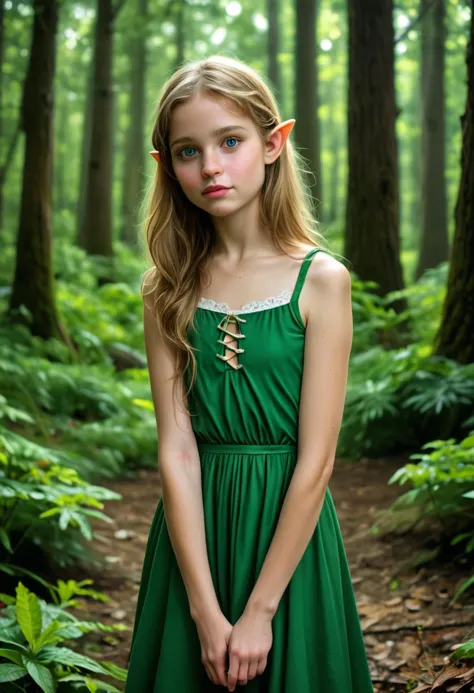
214, 133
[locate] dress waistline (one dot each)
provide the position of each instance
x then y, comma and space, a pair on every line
246, 449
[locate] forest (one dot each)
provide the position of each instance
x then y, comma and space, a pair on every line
383, 96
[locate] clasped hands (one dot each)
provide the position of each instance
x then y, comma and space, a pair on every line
246, 646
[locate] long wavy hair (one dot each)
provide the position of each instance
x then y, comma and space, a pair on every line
180, 236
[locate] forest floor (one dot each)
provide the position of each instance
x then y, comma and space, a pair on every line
394, 595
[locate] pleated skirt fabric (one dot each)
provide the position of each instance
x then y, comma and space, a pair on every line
317, 640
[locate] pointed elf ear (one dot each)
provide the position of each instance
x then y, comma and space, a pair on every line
156, 155
276, 140
285, 128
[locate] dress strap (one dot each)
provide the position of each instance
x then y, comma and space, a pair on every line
302, 275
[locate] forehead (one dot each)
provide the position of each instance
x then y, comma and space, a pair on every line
202, 114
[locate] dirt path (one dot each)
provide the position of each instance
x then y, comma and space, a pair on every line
393, 596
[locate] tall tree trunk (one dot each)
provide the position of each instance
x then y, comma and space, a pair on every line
434, 232
372, 215
2, 53
85, 153
180, 39
98, 216
273, 47
62, 198
134, 162
455, 336
33, 279
307, 129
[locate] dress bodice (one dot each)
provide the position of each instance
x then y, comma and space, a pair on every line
249, 369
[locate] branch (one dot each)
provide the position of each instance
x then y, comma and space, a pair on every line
416, 21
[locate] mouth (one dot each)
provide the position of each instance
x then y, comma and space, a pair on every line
216, 191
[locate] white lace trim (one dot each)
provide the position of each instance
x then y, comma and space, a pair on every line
253, 307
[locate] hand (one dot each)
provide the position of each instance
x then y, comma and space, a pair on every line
250, 642
214, 632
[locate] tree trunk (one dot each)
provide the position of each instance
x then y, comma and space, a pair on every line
372, 213
33, 279
455, 336
307, 130
135, 161
85, 152
273, 48
98, 213
434, 232
62, 197
2, 53
180, 40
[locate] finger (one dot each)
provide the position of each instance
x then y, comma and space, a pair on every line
243, 673
211, 672
233, 673
220, 668
253, 665
262, 666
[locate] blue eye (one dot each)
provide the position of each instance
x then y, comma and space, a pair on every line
185, 152
232, 139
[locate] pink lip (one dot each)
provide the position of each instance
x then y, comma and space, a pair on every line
216, 191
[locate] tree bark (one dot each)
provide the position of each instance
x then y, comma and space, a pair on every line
273, 48
455, 338
33, 279
372, 241
434, 233
135, 160
85, 152
98, 215
307, 127
180, 38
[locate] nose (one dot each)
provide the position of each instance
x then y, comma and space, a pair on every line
211, 165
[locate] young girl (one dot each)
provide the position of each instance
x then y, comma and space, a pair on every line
245, 579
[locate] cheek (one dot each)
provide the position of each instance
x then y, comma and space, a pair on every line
188, 176
247, 165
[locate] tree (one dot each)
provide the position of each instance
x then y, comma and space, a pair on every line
33, 280
372, 212
433, 233
455, 336
97, 229
273, 47
135, 161
307, 132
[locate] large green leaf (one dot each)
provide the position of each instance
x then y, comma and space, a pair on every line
28, 613
13, 655
42, 676
63, 655
49, 636
11, 672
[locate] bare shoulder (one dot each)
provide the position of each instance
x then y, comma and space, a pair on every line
327, 286
327, 274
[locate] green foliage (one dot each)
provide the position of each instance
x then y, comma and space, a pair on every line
442, 495
45, 500
400, 397
32, 638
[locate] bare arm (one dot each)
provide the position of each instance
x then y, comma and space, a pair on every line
180, 472
327, 349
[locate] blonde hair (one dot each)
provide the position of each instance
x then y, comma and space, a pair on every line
180, 236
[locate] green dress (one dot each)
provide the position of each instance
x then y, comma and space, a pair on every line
246, 422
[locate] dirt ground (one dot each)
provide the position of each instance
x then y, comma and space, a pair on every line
394, 596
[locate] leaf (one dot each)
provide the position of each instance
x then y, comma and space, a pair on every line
64, 655
28, 613
13, 655
49, 636
42, 676
5, 539
11, 672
